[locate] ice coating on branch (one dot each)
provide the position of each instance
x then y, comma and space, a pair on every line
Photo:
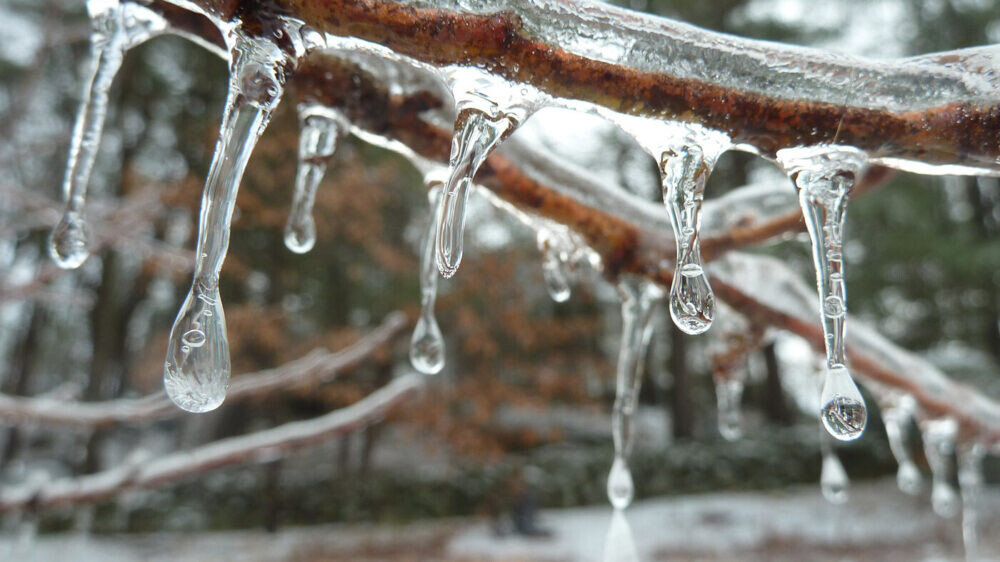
427, 350
970, 483
897, 419
487, 112
685, 171
833, 479
939, 446
824, 177
317, 141
196, 369
553, 267
638, 299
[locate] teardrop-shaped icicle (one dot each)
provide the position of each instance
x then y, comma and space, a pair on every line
896, 420
317, 142
939, 446
844, 413
619, 544
196, 369
685, 171
638, 300
824, 176
833, 478
728, 394
427, 350
556, 280
620, 487
476, 136
970, 483
68, 245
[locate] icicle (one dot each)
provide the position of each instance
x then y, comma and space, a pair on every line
556, 279
897, 419
970, 483
196, 369
833, 479
939, 444
477, 134
115, 29
69, 243
824, 176
427, 351
638, 299
619, 544
317, 142
685, 171
728, 394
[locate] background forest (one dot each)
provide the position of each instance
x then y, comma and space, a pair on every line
520, 414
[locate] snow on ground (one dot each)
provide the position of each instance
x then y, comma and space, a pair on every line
879, 523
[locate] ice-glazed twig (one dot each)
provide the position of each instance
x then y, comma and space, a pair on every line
638, 299
196, 369
317, 366
270, 443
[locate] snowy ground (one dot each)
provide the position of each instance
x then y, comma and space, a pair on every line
879, 523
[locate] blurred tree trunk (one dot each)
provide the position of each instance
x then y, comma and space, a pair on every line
776, 409
681, 404
16, 381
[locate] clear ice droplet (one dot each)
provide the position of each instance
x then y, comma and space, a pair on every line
684, 172
196, 370
317, 142
908, 478
69, 242
833, 479
427, 348
553, 270
824, 176
477, 134
728, 394
843, 413
896, 420
620, 487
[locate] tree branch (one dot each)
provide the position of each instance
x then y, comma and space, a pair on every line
319, 365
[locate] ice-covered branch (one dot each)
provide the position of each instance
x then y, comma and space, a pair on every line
267, 444
316, 366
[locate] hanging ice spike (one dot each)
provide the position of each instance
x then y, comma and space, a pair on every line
196, 369
556, 279
685, 170
115, 28
970, 482
939, 446
427, 351
476, 136
833, 479
638, 299
318, 135
897, 419
824, 176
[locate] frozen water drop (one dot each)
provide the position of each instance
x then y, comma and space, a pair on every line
833, 478
685, 171
939, 446
728, 393
620, 487
844, 413
427, 346
69, 242
317, 142
638, 299
477, 135
553, 268
196, 371
300, 233
908, 478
